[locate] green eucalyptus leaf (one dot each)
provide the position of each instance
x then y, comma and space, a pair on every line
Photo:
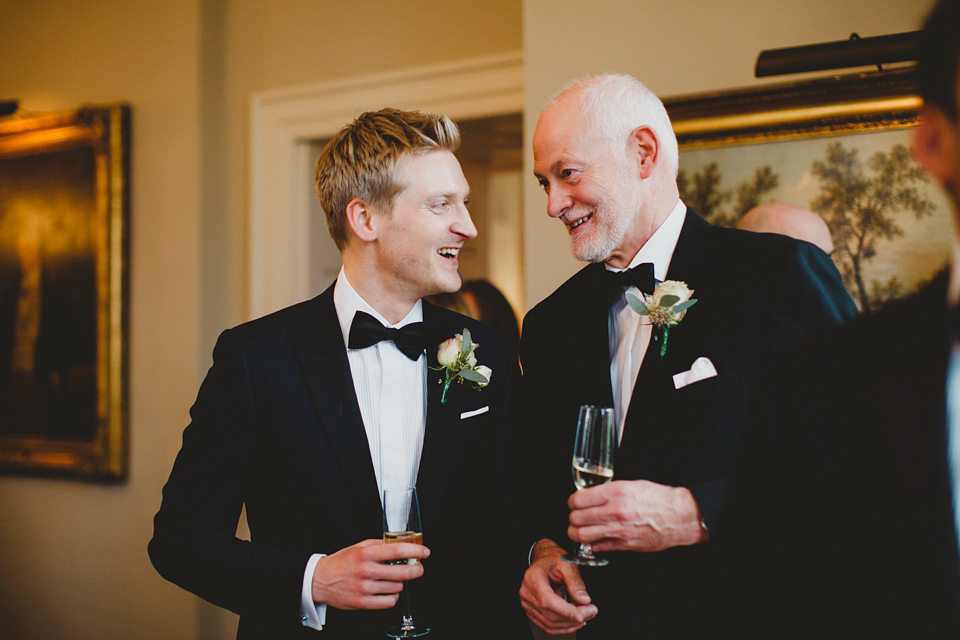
473, 376
467, 342
636, 304
669, 301
683, 306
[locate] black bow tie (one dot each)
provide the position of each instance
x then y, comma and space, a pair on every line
411, 339
641, 276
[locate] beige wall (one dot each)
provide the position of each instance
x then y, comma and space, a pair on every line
72, 555
674, 47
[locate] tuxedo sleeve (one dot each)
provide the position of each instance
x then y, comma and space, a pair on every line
802, 298
194, 543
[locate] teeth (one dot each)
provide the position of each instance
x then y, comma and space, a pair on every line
448, 252
580, 221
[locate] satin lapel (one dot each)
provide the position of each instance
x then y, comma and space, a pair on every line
654, 379
589, 347
323, 360
913, 401
442, 425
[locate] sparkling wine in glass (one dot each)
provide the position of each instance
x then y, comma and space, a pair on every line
401, 523
592, 463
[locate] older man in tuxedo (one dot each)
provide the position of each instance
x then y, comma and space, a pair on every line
844, 516
606, 156
308, 414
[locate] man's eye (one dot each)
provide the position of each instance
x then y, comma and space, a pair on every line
466, 202
567, 173
543, 184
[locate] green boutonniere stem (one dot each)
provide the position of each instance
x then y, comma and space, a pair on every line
663, 345
446, 388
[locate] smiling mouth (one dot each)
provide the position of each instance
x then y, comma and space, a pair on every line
577, 223
450, 253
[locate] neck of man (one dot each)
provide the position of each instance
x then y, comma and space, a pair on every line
658, 203
373, 285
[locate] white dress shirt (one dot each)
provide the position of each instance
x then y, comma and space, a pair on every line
391, 393
629, 331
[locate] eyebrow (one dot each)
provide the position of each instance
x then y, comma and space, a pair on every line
553, 168
447, 194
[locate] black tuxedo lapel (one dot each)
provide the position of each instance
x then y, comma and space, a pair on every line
588, 345
323, 359
654, 379
442, 425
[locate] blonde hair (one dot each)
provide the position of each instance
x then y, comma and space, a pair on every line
361, 160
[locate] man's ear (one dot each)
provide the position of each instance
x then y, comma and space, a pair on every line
360, 218
935, 144
645, 147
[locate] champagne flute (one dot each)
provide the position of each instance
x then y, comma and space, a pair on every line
592, 463
401, 523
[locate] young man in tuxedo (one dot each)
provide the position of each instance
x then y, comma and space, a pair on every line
844, 517
606, 156
308, 414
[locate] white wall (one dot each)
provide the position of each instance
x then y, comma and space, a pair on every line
674, 47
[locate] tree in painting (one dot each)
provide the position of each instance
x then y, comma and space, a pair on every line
704, 194
861, 210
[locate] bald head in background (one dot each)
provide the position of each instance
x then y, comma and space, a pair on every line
789, 220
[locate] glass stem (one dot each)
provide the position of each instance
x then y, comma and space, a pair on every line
407, 624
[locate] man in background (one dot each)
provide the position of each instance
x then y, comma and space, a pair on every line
606, 156
307, 415
844, 517
789, 220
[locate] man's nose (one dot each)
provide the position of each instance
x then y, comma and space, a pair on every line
463, 225
558, 202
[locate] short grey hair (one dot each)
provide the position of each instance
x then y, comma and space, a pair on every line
616, 104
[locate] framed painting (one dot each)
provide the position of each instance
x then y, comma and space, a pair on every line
64, 201
838, 146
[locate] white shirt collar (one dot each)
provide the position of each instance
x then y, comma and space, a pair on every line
347, 302
659, 248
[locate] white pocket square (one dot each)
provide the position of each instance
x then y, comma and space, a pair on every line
701, 370
475, 412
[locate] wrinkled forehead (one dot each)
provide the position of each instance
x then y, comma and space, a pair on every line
566, 132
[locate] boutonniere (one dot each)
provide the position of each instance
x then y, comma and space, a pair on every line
666, 306
456, 357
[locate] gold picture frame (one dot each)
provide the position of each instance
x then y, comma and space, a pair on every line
834, 105
64, 251
814, 143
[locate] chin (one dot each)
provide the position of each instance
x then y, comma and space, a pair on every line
448, 285
589, 250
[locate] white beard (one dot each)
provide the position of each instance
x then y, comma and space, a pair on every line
612, 217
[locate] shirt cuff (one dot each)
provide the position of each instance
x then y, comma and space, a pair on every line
312, 615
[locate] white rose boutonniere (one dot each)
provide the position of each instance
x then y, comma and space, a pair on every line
456, 356
666, 306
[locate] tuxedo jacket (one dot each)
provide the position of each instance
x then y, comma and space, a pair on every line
840, 514
276, 428
756, 294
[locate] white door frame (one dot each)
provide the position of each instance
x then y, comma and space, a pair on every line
284, 121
